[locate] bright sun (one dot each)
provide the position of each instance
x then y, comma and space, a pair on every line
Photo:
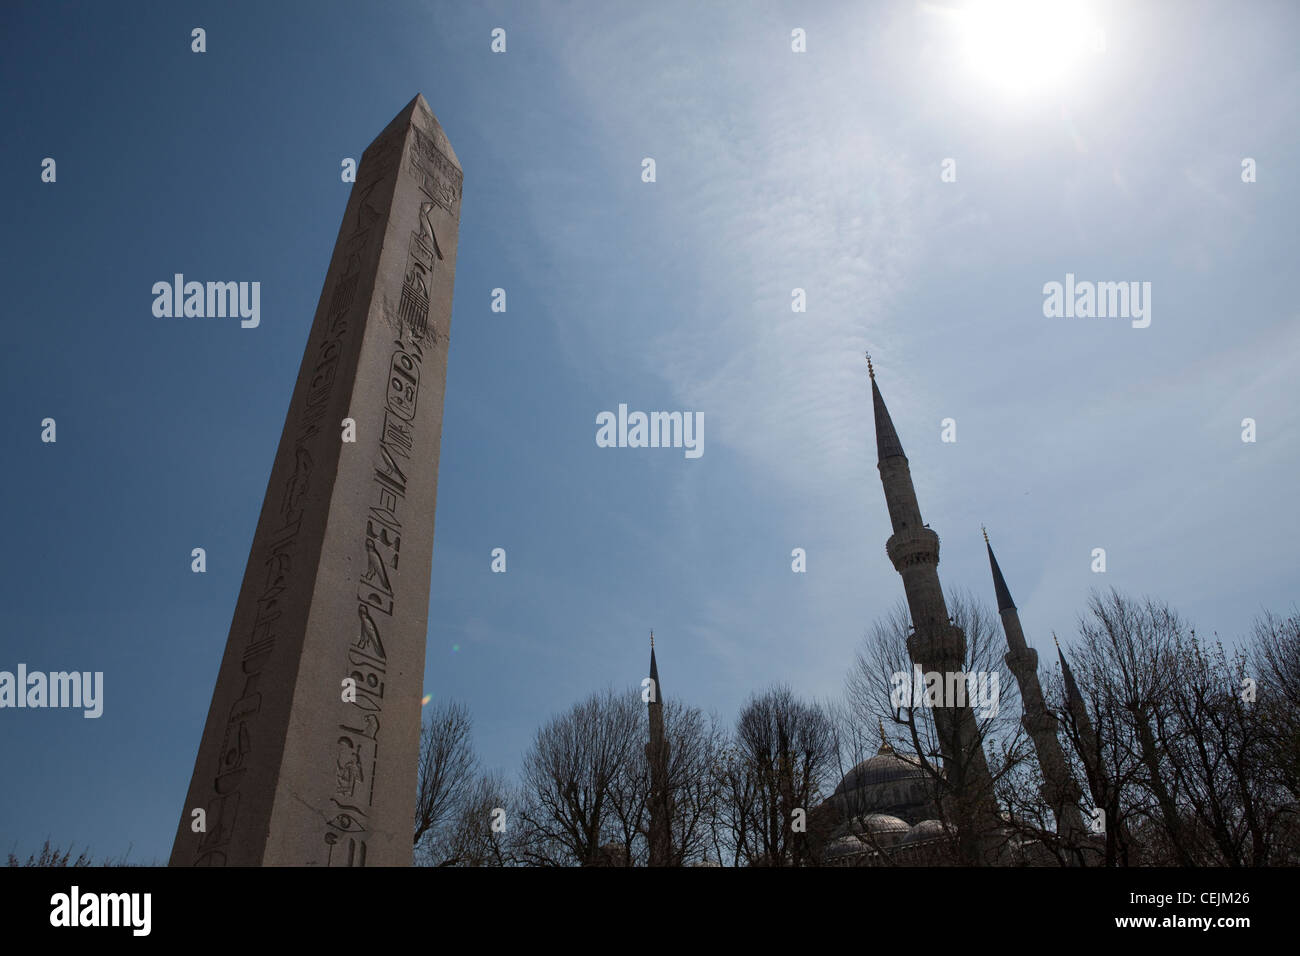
1025, 47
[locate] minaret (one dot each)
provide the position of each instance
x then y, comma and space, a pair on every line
660, 836
1059, 788
935, 644
1091, 754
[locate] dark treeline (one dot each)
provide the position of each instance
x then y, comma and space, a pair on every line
1184, 753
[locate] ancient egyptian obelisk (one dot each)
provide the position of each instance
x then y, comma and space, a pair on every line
309, 752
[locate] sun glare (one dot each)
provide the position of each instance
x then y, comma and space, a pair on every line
1026, 47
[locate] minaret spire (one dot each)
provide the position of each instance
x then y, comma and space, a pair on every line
659, 835
936, 644
1079, 711
1059, 788
654, 668
999, 584
1089, 747
887, 443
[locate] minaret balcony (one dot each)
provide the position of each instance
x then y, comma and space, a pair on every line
910, 547
1022, 662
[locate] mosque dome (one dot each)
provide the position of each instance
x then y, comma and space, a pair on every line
882, 823
874, 831
925, 830
887, 783
884, 768
844, 846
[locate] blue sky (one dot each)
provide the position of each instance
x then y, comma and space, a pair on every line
775, 170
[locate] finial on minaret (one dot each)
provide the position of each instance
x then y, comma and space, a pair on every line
887, 443
654, 672
999, 584
1056, 642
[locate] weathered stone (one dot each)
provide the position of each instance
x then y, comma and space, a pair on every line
336, 590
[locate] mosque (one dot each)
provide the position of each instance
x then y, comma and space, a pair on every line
885, 810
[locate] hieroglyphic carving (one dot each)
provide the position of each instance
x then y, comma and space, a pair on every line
349, 772
367, 661
347, 831
240, 737
436, 174
403, 386
422, 250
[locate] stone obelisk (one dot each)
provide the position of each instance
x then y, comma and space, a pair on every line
310, 748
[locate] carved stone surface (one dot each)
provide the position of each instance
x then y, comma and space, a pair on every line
337, 584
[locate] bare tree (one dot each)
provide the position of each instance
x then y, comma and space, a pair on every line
1275, 659
1183, 760
577, 797
696, 745
52, 856
1224, 769
1134, 651
447, 771
481, 831
782, 757
735, 817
